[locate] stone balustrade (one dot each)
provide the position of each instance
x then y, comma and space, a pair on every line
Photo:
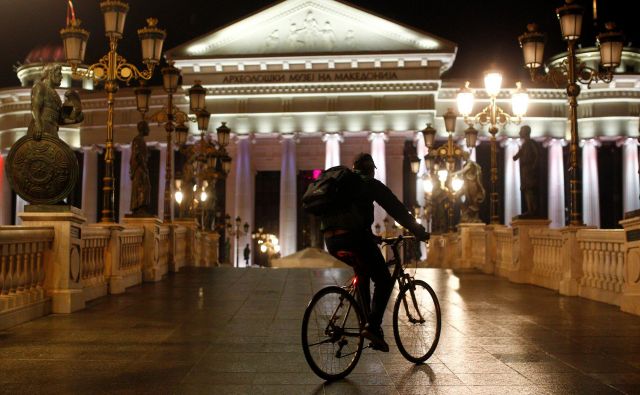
547, 257
127, 258
179, 247
602, 264
24, 262
56, 263
93, 261
597, 264
506, 250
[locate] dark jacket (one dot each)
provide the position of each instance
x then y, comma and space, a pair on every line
360, 216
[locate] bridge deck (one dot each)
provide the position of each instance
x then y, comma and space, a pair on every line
227, 330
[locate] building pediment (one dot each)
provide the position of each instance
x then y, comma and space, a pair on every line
310, 27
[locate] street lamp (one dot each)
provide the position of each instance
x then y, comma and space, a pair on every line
211, 160
441, 163
494, 117
237, 232
169, 115
569, 72
110, 69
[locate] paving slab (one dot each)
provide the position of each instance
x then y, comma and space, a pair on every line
237, 331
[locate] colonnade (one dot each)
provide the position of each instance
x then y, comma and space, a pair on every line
241, 181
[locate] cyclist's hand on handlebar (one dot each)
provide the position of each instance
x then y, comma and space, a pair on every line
422, 234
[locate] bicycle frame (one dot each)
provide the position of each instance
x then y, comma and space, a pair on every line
399, 275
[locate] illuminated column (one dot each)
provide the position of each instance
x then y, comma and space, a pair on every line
556, 182
630, 184
162, 147
378, 141
90, 183
590, 185
332, 149
20, 203
244, 196
288, 196
512, 200
421, 151
125, 181
5, 193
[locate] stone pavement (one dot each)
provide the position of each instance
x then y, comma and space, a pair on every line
236, 331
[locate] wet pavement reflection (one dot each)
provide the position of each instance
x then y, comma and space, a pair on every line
236, 331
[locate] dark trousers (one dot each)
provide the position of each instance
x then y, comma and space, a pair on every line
369, 264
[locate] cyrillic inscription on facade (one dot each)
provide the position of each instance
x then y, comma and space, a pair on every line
332, 76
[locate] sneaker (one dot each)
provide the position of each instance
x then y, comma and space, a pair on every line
376, 336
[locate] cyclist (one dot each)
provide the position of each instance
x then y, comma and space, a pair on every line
350, 232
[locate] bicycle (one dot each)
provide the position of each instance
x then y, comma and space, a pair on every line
334, 319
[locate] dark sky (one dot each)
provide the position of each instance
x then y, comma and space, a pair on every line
486, 31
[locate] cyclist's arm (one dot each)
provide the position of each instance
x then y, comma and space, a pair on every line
394, 207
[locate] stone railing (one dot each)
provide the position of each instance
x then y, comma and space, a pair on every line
597, 264
93, 261
180, 245
478, 248
24, 262
506, 254
162, 250
206, 248
547, 265
127, 259
603, 264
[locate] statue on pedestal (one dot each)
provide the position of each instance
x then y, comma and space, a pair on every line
139, 173
529, 156
472, 191
42, 168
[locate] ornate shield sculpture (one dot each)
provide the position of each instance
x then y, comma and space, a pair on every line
42, 171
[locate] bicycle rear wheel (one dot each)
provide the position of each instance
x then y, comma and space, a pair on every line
417, 321
331, 338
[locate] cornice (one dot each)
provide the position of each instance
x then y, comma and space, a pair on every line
363, 88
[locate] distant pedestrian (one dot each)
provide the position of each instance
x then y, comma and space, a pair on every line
247, 253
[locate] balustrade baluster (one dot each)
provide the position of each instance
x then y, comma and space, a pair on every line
4, 267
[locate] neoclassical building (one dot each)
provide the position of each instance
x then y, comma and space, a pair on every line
307, 84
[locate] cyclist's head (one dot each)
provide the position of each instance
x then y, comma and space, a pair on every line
364, 164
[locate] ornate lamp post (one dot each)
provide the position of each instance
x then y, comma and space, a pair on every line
169, 115
110, 69
442, 161
237, 232
494, 117
569, 73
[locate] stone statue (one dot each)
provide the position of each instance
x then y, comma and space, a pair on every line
139, 173
41, 168
46, 107
529, 156
472, 191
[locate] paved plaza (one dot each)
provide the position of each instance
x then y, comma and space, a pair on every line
237, 331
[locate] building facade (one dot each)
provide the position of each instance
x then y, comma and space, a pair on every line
308, 84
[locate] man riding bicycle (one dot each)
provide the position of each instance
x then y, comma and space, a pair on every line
350, 232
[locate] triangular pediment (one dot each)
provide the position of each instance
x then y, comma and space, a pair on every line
310, 26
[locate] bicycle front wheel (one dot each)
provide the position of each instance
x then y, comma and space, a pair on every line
417, 321
331, 338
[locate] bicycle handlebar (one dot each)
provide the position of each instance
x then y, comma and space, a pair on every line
392, 240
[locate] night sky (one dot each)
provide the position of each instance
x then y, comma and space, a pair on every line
486, 31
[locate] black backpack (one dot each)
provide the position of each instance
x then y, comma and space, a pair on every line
334, 191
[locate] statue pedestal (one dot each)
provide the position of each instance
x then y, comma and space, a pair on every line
151, 270
63, 281
630, 301
521, 272
473, 254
